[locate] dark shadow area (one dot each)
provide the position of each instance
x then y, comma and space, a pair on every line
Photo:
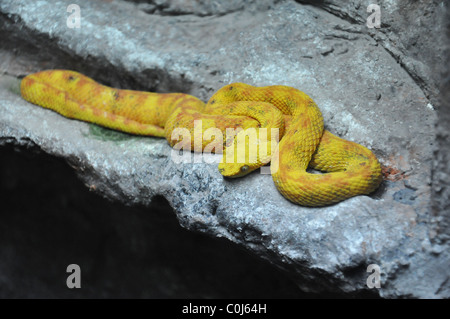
49, 219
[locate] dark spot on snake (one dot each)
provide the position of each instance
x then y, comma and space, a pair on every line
212, 102
230, 87
116, 95
71, 78
363, 157
362, 164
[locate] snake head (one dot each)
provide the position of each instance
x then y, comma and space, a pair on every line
242, 158
233, 170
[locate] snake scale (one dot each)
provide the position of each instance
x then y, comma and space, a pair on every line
349, 169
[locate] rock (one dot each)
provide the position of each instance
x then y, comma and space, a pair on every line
441, 168
364, 93
403, 24
201, 8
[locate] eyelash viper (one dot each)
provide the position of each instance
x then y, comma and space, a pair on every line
350, 169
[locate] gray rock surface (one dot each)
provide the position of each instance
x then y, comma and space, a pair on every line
441, 168
411, 32
367, 94
201, 8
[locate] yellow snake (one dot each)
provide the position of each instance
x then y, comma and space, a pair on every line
349, 169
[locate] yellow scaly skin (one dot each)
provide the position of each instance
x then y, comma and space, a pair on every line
351, 168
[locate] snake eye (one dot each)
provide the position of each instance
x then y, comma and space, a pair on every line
244, 168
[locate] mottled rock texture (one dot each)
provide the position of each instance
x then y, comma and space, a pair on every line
377, 87
411, 32
441, 169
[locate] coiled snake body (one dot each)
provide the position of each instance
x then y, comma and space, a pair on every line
349, 169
